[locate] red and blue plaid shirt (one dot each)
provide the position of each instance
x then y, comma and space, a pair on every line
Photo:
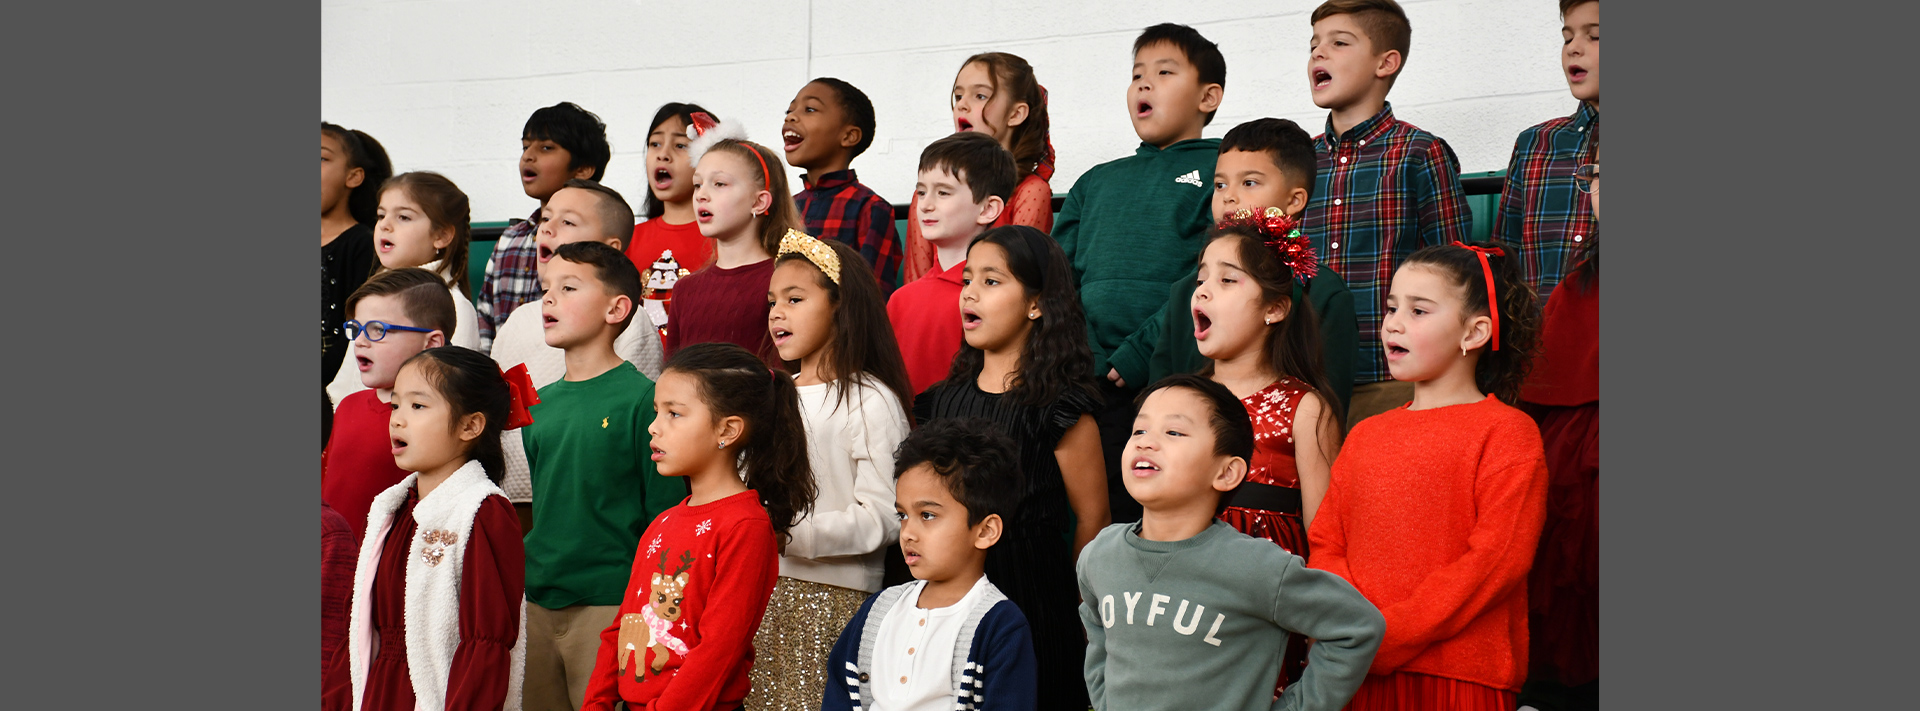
840, 208
1542, 209
1382, 191
512, 278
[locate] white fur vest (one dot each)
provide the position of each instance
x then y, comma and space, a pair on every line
434, 563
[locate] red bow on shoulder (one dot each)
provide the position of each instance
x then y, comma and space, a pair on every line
520, 387
1493, 296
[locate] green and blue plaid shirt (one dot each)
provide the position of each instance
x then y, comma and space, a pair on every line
1542, 210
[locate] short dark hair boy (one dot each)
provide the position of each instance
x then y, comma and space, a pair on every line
956, 483
1131, 227
558, 143
964, 183
828, 123
1385, 188
1239, 598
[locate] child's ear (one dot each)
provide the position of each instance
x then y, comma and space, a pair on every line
1278, 310
1018, 115
436, 339
1479, 332
616, 243
1210, 97
730, 428
355, 177
1230, 475
1033, 308
987, 532
1296, 203
1388, 64
584, 172
442, 237
763, 203
990, 210
472, 426
618, 310
849, 136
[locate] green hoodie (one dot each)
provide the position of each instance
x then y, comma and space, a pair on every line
1132, 226
1202, 623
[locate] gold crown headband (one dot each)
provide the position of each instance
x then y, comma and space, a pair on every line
816, 251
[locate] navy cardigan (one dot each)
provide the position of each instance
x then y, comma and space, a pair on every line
993, 665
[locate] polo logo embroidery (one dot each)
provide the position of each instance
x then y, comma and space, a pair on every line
603, 422
1191, 178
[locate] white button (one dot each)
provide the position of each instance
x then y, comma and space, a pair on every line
1336, 202
1576, 238
1343, 159
1363, 142
1336, 245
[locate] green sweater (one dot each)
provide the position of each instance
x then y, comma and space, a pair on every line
594, 487
1202, 623
1130, 227
1164, 345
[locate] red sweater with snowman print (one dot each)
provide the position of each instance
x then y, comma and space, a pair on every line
684, 635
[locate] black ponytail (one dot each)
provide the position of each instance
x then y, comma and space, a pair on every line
470, 383
370, 157
773, 448
1503, 371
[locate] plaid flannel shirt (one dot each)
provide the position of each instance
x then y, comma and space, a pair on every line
512, 278
1542, 209
840, 208
1383, 190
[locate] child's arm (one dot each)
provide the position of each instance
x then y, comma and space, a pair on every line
1316, 439
603, 683
1327, 535
880, 243
1010, 674
1131, 361
1344, 627
1443, 213
874, 430
492, 585
744, 566
1510, 501
1066, 229
1096, 667
1508, 219
1031, 205
843, 681
488, 323
1339, 331
1085, 472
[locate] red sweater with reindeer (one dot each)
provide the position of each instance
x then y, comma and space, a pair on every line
684, 636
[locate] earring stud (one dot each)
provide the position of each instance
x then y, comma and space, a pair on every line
723, 444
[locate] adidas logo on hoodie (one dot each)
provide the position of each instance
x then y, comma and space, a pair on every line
1191, 178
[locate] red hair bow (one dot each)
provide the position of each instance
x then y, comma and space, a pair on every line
1493, 295
1281, 233
520, 388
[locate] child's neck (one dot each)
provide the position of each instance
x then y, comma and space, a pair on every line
953, 251
1595, 103
1454, 387
430, 480
1347, 117
835, 165
944, 593
1245, 373
1178, 523
677, 213
592, 359
335, 222
718, 481
740, 249
814, 368
1191, 133
998, 367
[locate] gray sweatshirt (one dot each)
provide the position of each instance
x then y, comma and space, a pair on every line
1201, 624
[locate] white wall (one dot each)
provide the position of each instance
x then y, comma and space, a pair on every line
446, 85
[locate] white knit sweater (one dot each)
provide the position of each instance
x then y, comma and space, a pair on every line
522, 339
850, 446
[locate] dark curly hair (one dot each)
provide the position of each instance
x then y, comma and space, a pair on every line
1498, 372
973, 457
470, 383
1056, 358
371, 158
862, 340
773, 447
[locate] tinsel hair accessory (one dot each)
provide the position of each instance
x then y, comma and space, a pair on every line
1493, 295
816, 251
520, 388
1281, 233
707, 130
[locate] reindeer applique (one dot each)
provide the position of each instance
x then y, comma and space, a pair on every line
648, 635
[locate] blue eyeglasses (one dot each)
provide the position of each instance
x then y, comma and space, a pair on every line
376, 330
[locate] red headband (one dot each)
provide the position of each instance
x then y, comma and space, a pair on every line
1493, 295
766, 176
520, 388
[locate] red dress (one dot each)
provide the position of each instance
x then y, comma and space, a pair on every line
491, 585
1272, 410
1563, 395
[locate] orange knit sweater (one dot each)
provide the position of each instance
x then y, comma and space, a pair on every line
1433, 515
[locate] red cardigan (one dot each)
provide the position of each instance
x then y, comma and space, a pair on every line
1434, 515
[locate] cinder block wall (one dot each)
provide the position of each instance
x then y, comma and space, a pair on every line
446, 85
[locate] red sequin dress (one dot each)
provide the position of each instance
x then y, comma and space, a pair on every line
1272, 410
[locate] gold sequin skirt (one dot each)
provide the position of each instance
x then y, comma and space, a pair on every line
803, 621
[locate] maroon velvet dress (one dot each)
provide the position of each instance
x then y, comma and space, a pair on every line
492, 581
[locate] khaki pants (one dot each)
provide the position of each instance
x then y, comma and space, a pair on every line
561, 648
1374, 398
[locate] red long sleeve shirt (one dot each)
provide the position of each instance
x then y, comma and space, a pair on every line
358, 463
702, 576
1434, 515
